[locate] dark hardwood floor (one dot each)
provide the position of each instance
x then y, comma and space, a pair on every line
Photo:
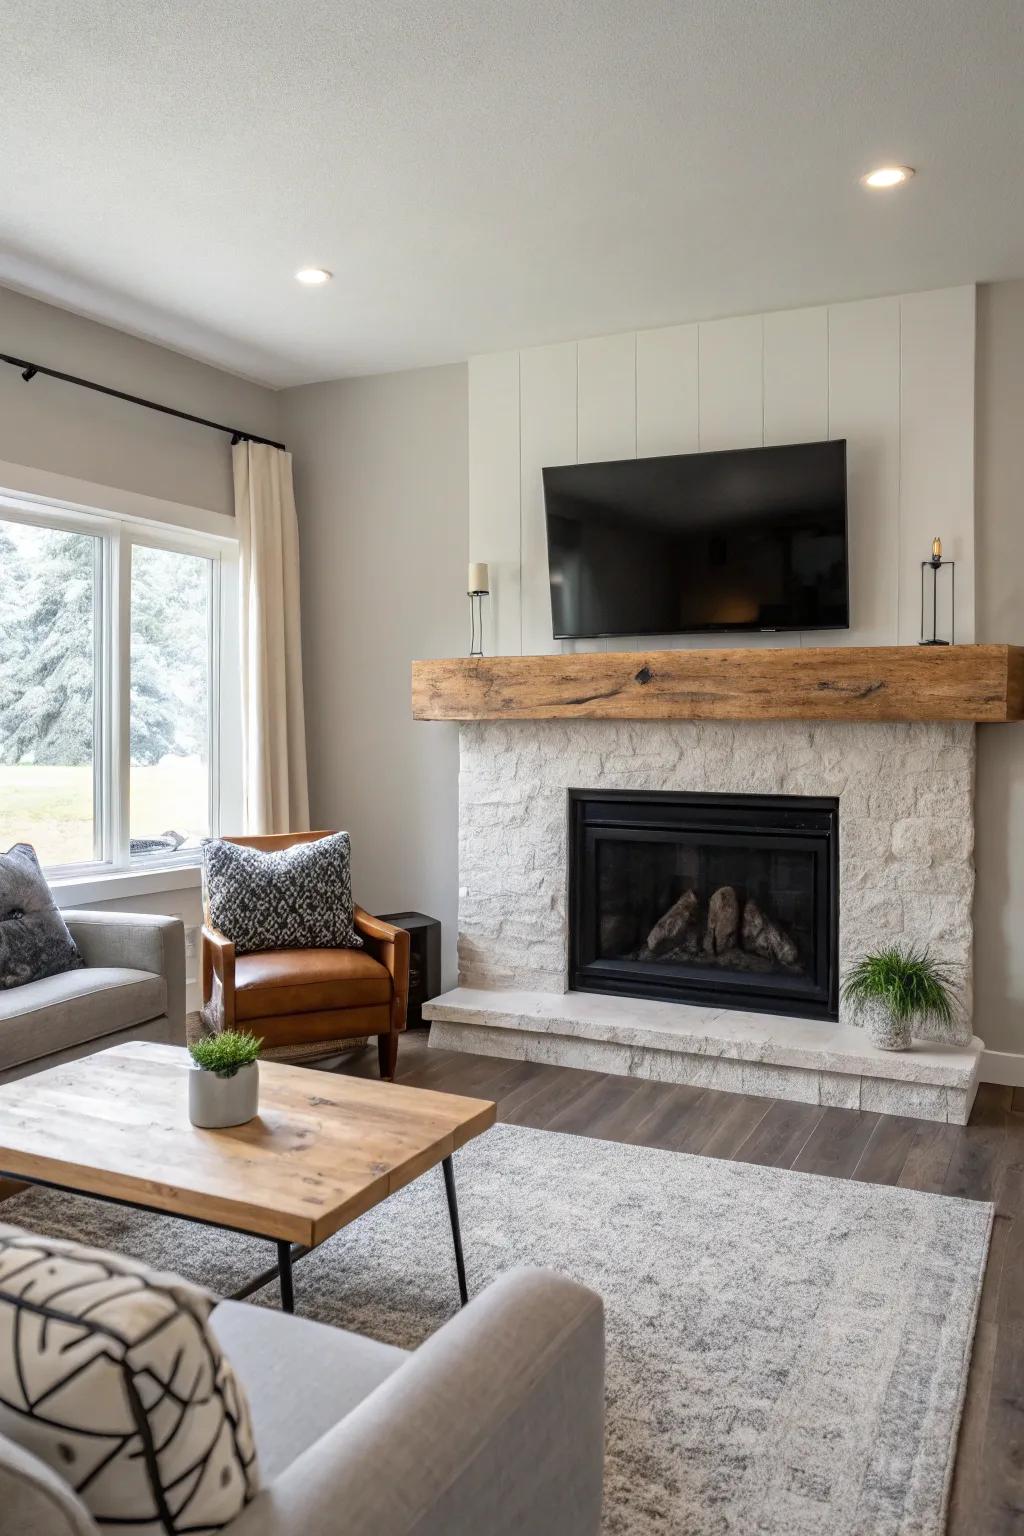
981, 1161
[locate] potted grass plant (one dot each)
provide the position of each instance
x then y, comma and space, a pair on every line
224, 1085
893, 988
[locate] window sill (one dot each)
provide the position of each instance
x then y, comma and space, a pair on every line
80, 890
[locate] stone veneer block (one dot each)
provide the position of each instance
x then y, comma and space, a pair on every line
839, 1090
766, 1055
782, 1083
920, 1101
959, 1103
906, 827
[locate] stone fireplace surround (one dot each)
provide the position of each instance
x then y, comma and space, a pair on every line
906, 871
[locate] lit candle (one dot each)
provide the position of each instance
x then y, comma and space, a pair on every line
936, 550
477, 580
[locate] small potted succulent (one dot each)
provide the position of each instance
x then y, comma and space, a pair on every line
224, 1084
893, 988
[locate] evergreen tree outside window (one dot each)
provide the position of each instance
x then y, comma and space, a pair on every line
170, 700
48, 601
111, 635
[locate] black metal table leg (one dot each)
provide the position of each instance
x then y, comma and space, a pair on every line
453, 1212
284, 1266
287, 1253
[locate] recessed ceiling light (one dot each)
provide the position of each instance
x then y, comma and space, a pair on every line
313, 276
887, 176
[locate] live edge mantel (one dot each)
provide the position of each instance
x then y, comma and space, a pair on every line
884, 682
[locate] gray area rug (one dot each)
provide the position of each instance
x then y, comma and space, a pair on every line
787, 1354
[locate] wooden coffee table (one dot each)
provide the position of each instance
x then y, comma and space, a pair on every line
323, 1149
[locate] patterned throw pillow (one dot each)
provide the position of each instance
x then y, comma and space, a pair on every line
34, 938
110, 1373
293, 898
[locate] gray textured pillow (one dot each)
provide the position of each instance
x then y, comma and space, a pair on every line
294, 898
34, 938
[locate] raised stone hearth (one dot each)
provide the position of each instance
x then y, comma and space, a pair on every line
906, 832
761, 1054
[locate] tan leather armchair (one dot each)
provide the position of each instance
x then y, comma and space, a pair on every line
304, 1003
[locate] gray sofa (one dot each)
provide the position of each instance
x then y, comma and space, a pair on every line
132, 987
494, 1426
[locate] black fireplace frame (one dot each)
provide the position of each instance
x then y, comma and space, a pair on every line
800, 822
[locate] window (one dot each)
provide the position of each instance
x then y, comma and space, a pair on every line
169, 722
50, 582
114, 654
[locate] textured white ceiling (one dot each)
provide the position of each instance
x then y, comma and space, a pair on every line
482, 173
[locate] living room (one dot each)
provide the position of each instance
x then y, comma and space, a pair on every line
511, 1016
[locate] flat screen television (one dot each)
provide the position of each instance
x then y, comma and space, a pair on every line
742, 541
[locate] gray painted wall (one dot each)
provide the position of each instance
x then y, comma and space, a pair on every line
71, 431
382, 489
999, 531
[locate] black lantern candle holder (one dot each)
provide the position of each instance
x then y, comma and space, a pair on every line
478, 587
932, 567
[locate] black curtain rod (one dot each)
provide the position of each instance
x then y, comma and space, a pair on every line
29, 371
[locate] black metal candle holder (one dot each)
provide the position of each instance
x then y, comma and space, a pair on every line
935, 565
476, 622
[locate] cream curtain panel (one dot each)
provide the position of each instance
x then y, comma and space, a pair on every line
274, 783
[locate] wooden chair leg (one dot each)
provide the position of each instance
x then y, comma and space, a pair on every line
387, 1052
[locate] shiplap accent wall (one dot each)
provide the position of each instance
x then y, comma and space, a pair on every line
894, 376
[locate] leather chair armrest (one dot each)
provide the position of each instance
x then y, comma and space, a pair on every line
218, 964
389, 945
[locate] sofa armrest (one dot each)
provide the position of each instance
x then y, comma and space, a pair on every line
389, 945
218, 966
141, 941
35, 1500
495, 1424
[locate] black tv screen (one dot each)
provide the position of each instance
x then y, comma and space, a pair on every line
740, 541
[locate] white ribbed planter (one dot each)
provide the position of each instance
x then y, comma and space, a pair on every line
215, 1102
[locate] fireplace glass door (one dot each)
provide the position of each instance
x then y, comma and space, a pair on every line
714, 899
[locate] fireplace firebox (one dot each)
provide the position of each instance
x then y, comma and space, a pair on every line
716, 899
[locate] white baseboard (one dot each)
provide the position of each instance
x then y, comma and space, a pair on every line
1004, 1067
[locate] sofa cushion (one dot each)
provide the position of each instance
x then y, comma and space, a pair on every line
110, 1373
307, 981
63, 1011
34, 939
287, 898
300, 1377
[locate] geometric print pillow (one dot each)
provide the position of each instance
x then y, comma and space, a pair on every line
110, 1373
291, 898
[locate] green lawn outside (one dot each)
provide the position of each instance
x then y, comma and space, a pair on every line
51, 807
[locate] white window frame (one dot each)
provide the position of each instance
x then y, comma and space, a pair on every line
119, 534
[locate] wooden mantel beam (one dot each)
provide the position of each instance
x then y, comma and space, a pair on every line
886, 682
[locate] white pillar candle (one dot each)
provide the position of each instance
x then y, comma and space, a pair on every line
477, 581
